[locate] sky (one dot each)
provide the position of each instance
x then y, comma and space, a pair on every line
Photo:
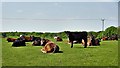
58, 16
59, 0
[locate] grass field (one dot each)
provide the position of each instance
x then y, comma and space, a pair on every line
104, 55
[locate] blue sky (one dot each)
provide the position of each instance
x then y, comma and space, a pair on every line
58, 16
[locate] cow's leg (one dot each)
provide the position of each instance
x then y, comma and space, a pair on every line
85, 39
71, 44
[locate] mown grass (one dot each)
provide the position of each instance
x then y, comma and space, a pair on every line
104, 55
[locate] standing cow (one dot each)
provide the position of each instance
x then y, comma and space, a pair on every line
77, 36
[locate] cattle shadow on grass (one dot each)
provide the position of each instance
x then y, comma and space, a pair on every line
18, 46
88, 47
59, 52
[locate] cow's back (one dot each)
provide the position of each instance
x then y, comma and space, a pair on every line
78, 36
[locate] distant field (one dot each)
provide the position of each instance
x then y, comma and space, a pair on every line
104, 55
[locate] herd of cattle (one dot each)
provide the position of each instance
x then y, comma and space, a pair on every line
113, 37
51, 47
48, 46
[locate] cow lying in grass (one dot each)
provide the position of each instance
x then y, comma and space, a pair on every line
57, 38
18, 43
91, 41
88, 41
49, 46
11, 39
105, 38
37, 41
30, 39
27, 39
112, 37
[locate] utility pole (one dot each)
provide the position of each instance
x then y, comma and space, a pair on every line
103, 21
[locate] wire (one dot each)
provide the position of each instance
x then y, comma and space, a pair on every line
47, 19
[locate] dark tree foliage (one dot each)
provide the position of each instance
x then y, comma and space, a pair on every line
93, 33
108, 32
100, 34
111, 31
4, 35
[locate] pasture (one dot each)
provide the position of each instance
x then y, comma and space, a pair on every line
104, 55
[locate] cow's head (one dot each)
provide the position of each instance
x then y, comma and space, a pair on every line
44, 41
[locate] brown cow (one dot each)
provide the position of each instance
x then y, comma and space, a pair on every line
11, 39
58, 39
49, 46
26, 39
88, 41
91, 41
105, 38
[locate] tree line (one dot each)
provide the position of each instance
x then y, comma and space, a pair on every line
108, 32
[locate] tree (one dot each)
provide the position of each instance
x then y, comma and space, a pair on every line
93, 33
111, 31
100, 35
4, 35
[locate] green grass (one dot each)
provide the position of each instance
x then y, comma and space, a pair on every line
104, 55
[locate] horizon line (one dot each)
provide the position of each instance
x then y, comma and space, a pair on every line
50, 31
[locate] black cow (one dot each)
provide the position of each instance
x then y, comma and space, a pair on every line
77, 36
18, 42
37, 41
35, 38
